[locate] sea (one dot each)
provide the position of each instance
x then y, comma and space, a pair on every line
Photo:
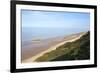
29, 33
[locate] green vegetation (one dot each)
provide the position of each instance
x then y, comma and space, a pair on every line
77, 50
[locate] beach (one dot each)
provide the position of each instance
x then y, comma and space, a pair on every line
33, 49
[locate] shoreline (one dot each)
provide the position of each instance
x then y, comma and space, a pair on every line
32, 59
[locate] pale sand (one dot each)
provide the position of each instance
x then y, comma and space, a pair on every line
32, 59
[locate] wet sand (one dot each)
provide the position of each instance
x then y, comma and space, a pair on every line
33, 49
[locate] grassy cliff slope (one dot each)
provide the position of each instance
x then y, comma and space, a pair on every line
77, 50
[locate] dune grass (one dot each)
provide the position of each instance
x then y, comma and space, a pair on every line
77, 50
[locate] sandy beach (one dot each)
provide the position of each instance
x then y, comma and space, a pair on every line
34, 49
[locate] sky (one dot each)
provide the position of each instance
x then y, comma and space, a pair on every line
51, 19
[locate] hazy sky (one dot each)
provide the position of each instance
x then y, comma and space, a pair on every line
55, 19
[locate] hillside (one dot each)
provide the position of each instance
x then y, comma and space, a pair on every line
77, 50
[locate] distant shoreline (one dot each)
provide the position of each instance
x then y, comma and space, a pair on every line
65, 40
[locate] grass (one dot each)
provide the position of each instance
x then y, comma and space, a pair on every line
77, 50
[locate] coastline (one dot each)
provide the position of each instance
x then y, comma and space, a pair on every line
33, 58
